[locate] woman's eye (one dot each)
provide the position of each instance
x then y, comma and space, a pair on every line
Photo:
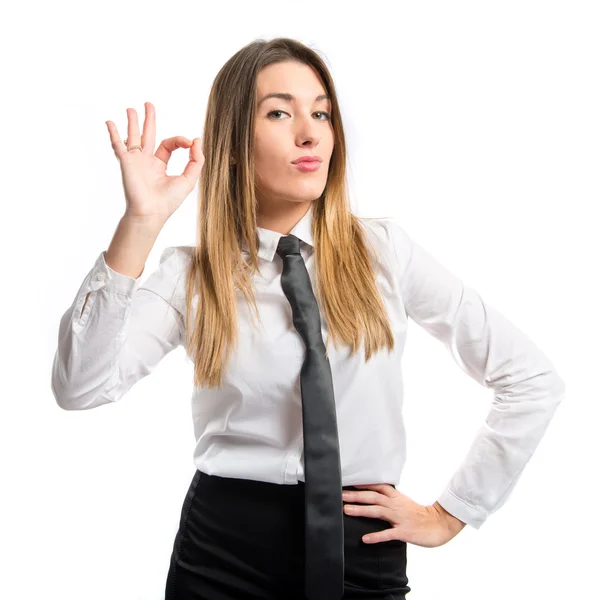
319, 112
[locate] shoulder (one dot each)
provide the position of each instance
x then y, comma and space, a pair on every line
174, 257
389, 237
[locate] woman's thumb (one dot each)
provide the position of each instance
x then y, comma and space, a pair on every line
194, 166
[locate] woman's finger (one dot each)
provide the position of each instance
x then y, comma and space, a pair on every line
383, 488
117, 145
385, 535
194, 166
373, 511
169, 145
149, 135
367, 497
133, 128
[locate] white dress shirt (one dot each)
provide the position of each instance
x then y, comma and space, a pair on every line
252, 427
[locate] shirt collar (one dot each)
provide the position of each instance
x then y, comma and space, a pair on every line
269, 240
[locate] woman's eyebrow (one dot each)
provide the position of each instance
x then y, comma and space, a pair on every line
288, 97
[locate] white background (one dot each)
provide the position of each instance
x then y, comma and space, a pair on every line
477, 124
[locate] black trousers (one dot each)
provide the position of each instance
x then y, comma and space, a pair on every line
241, 539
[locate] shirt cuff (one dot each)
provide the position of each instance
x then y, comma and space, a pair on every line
461, 510
103, 276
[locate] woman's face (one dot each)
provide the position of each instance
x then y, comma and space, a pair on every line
288, 129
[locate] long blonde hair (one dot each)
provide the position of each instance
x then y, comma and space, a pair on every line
345, 287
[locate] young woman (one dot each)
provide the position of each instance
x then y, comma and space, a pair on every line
264, 516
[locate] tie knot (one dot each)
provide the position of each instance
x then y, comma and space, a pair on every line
288, 244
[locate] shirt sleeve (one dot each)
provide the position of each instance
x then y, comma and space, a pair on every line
117, 330
494, 352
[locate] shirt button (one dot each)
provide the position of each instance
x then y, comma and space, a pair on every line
101, 277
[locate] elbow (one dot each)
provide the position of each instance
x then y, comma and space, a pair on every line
77, 401
62, 400
77, 393
66, 401
60, 391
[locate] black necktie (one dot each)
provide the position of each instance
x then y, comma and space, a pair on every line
324, 524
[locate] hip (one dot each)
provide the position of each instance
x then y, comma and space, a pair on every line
249, 535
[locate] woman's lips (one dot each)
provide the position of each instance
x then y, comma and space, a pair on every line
312, 165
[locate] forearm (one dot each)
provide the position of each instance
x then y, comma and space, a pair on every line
131, 244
